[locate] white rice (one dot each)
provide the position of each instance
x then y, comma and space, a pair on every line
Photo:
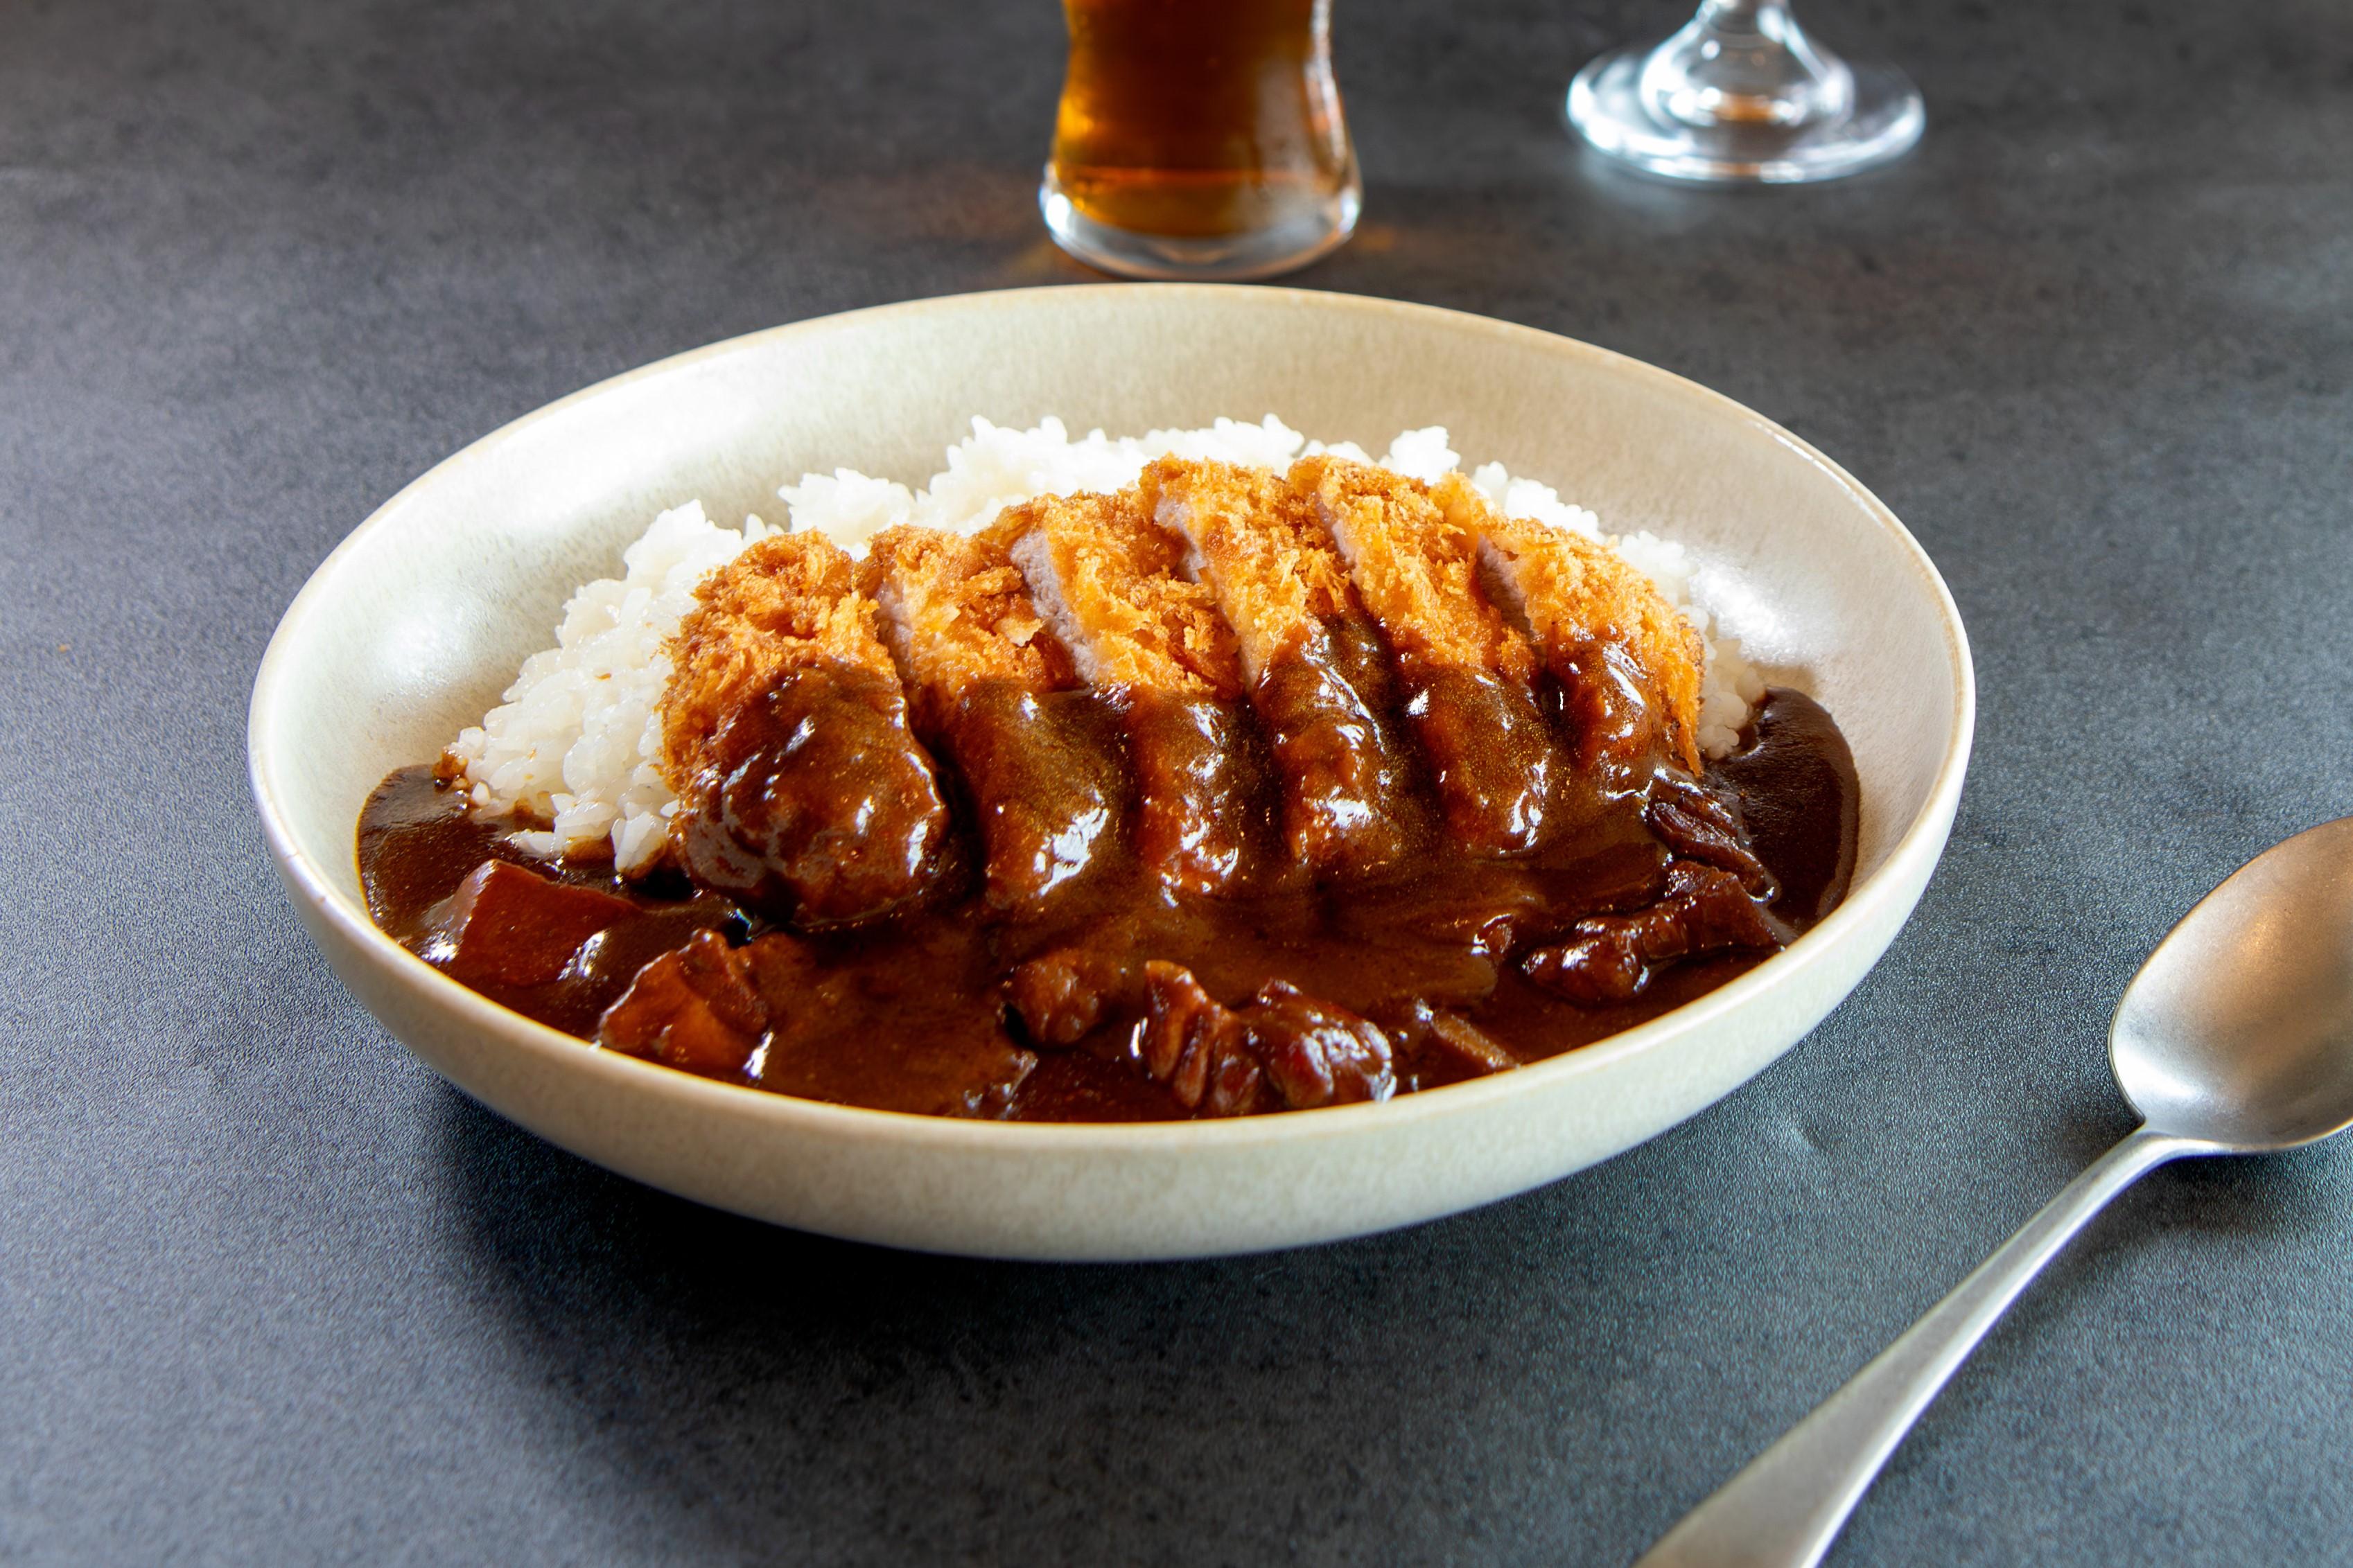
576, 742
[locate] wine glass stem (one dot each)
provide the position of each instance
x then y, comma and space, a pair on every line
1767, 20
1741, 94
1745, 62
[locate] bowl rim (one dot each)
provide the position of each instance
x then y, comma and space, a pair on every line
1922, 839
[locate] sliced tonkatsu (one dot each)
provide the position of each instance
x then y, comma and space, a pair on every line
1629, 661
1629, 668
1467, 676
992, 691
1109, 584
802, 792
1310, 657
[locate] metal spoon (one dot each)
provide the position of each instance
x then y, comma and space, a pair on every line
2236, 1038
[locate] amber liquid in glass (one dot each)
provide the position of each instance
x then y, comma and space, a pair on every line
1203, 120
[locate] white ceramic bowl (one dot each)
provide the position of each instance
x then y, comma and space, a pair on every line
412, 626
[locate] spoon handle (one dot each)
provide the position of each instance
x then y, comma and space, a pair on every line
1786, 1508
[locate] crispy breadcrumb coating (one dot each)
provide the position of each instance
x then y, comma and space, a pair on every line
1415, 568
1312, 658
1259, 546
1108, 582
957, 612
1574, 594
786, 602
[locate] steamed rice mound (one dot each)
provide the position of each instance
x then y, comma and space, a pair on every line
574, 749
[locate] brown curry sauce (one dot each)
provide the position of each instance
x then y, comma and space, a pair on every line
1039, 970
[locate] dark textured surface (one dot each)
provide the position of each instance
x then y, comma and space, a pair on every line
269, 1292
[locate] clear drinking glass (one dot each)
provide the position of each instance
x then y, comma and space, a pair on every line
1740, 96
1200, 139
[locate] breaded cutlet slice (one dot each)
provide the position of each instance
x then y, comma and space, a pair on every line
1415, 568
1045, 776
1309, 655
787, 602
1577, 600
1268, 562
957, 612
1470, 677
801, 790
1109, 582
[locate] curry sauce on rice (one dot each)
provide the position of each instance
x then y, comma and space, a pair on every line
1209, 773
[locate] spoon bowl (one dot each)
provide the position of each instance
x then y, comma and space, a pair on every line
2239, 1029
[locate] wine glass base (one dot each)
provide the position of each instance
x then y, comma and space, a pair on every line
1606, 106
1286, 247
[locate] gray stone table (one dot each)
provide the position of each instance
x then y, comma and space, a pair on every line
269, 1292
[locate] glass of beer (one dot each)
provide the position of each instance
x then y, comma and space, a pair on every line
1200, 139
1742, 95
